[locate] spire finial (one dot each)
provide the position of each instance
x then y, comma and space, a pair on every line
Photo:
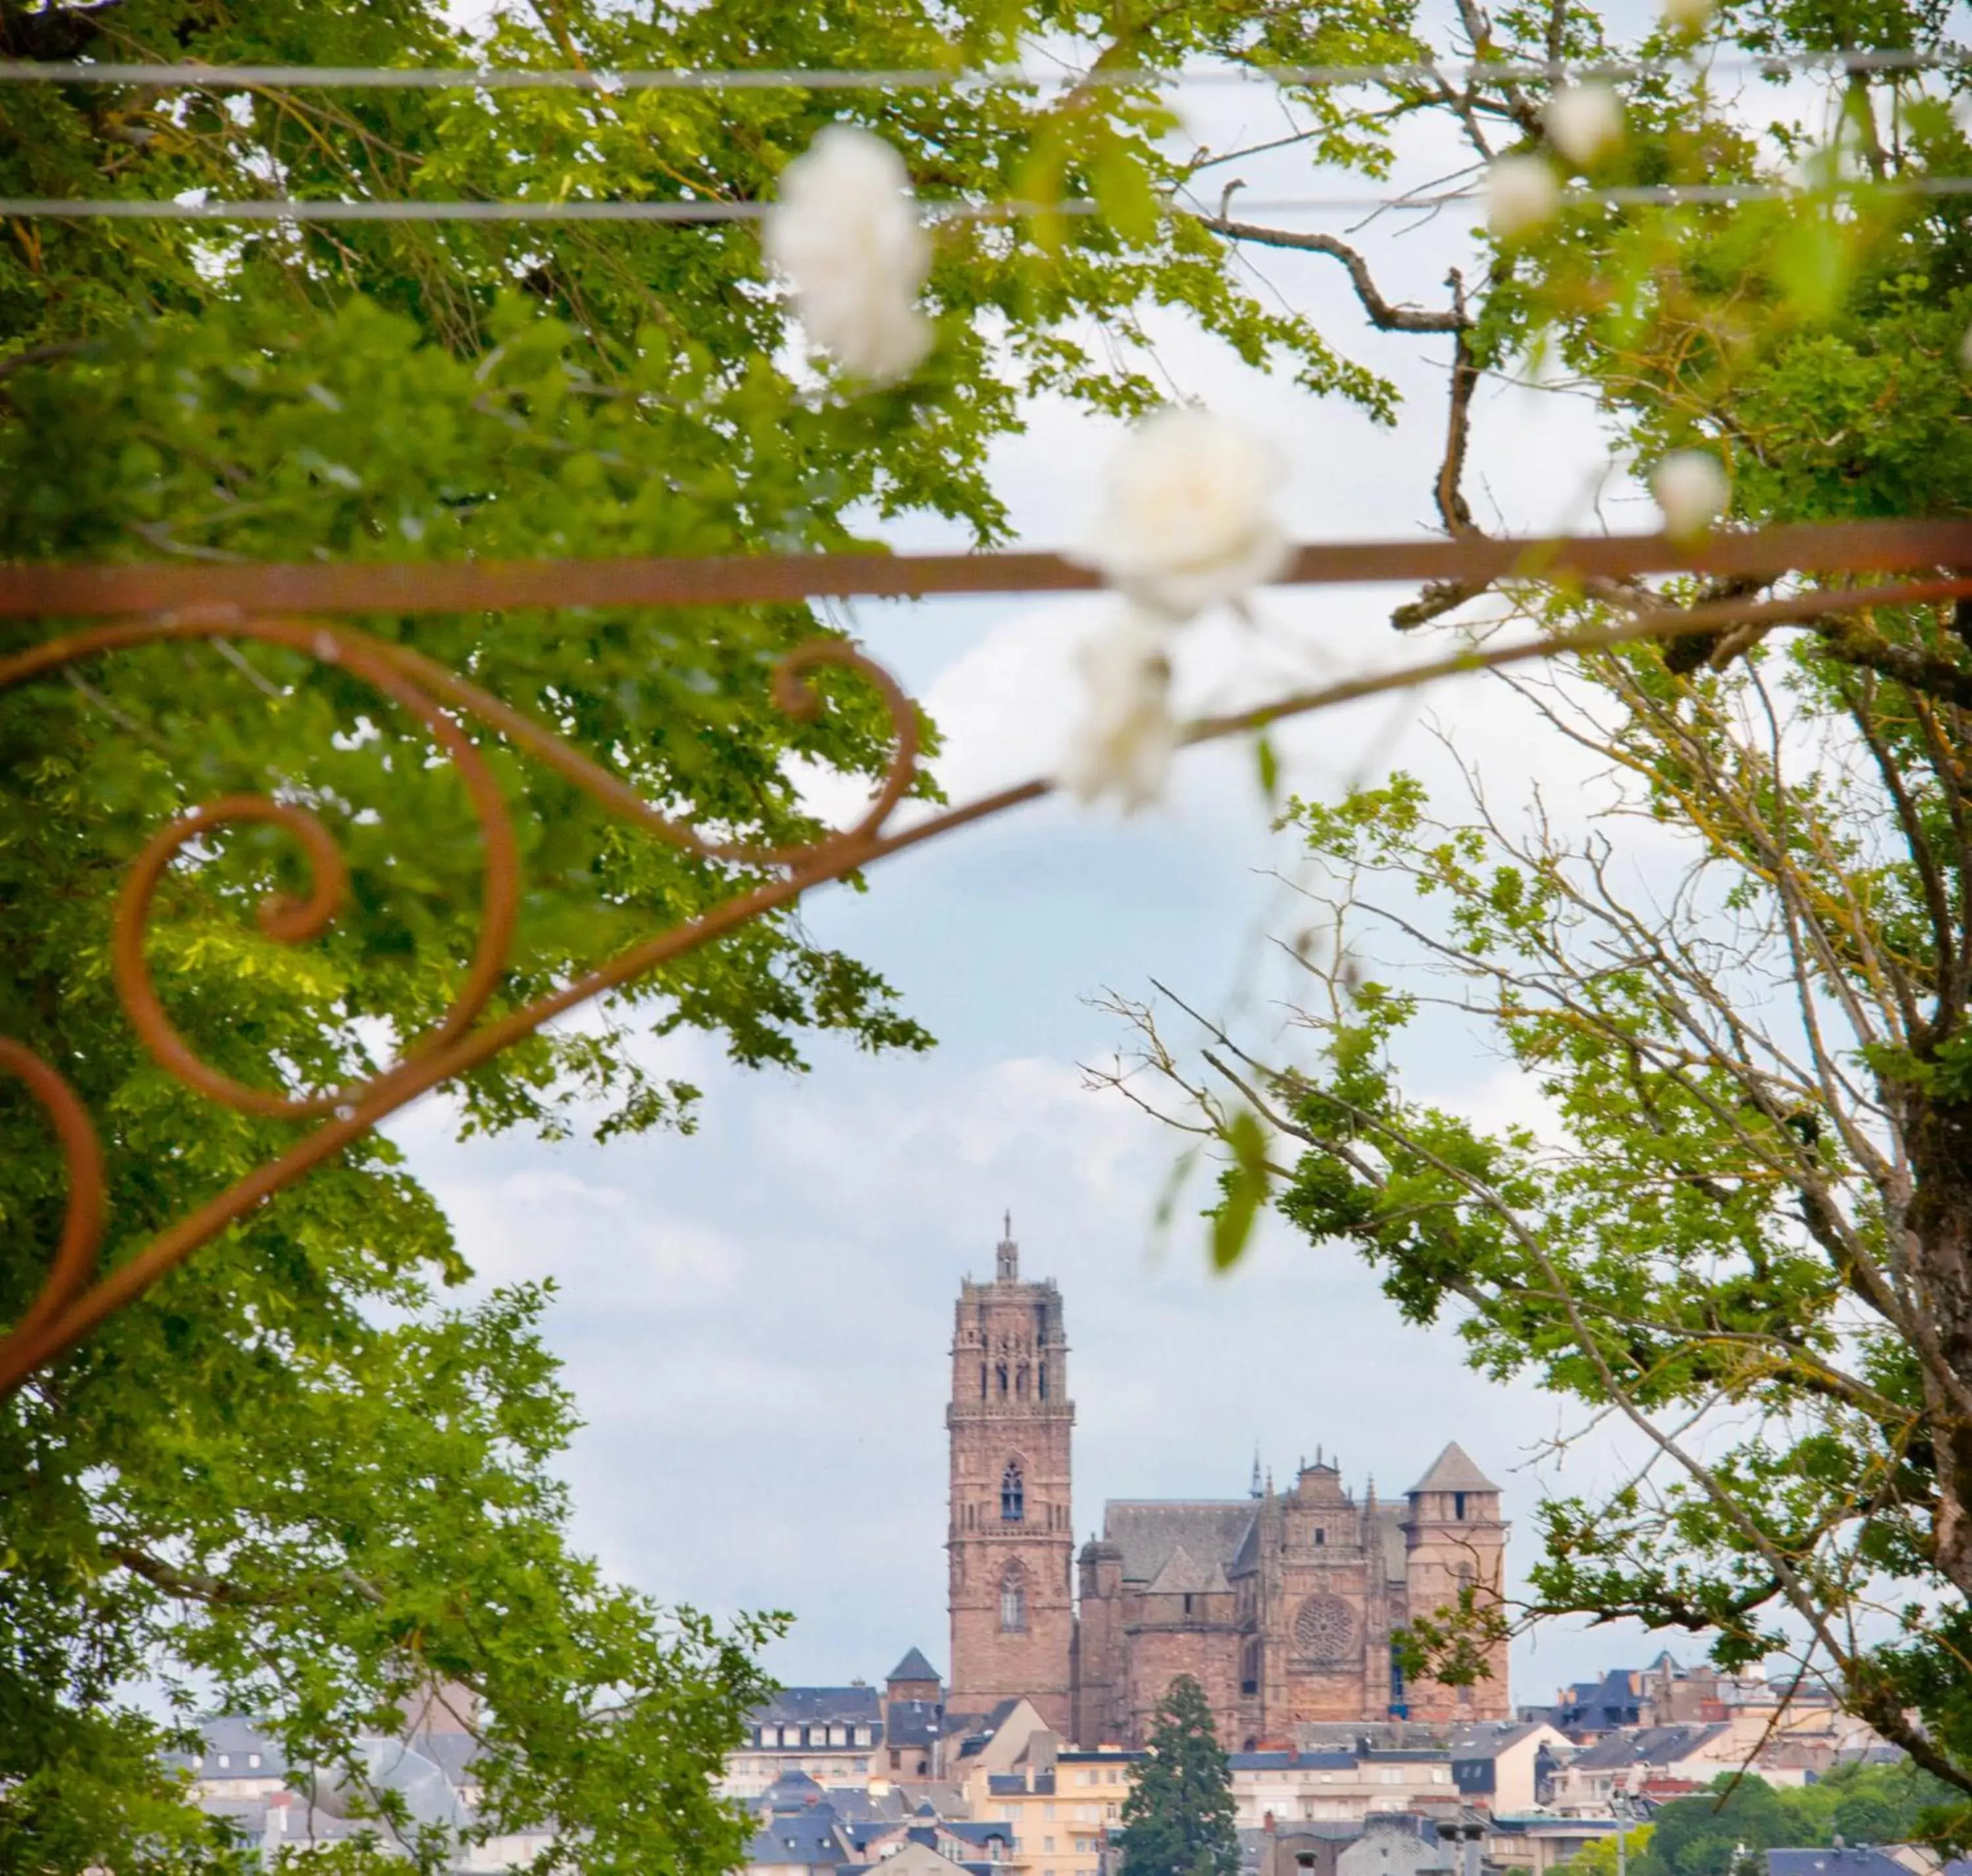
1255, 1486
1008, 1266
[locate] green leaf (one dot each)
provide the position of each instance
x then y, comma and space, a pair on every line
1243, 1188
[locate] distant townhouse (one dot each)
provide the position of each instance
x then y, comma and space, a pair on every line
1062, 1806
1508, 1767
1338, 1786
832, 1734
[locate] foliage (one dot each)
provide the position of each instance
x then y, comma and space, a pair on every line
295, 1481
1734, 973
1856, 1804
1599, 1858
1177, 1820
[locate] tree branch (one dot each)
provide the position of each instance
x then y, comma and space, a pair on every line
1384, 316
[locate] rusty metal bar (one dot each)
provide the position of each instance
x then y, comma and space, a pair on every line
56, 591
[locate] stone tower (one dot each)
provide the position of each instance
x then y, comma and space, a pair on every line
1454, 1536
1011, 1536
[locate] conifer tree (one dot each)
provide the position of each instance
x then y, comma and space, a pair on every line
1178, 1820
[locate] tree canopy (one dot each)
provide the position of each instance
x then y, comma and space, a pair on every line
297, 1480
1853, 1804
1731, 965
1177, 1820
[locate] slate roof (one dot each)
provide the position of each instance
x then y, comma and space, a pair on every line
1148, 1531
805, 1837
1454, 1471
793, 1788
978, 1833
913, 1667
1858, 1861
1389, 1520
228, 1733
1484, 1739
908, 1723
1615, 1700
1649, 1745
796, 1706
1183, 1574
981, 1726
454, 1753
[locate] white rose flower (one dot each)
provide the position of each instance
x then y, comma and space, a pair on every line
845, 232
1187, 522
1689, 14
1585, 122
1124, 745
1692, 489
1521, 193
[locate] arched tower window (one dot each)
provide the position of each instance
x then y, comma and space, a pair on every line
1013, 1494
1003, 1381
1041, 1380
1014, 1601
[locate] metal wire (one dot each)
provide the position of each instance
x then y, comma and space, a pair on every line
289, 209
508, 78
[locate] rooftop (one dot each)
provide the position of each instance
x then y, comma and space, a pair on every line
1454, 1471
913, 1667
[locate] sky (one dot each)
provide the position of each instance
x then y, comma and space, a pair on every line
755, 1319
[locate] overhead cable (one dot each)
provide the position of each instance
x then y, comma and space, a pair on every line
341, 209
191, 75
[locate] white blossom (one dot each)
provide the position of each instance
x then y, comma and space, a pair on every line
1187, 521
1688, 14
846, 234
1126, 738
1585, 122
1521, 193
1692, 491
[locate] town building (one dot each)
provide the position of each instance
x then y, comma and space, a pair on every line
1338, 1787
1508, 1767
832, 1734
1062, 1806
1283, 1606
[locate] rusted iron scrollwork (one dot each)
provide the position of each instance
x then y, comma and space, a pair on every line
74, 1300
70, 1305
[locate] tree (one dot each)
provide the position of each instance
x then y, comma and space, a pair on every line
1705, 1836
1735, 970
1599, 1858
1177, 1820
294, 1481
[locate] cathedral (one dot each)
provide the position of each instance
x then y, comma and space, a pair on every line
1281, 1604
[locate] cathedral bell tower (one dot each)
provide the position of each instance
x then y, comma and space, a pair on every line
1011, 1536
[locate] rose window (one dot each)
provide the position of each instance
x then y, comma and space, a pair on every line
1324, 1629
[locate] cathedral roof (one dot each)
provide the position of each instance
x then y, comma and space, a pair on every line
913, 1667
1183, 1574
1147, 1530
1389, 1520
1246, 1559
1453, 1471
